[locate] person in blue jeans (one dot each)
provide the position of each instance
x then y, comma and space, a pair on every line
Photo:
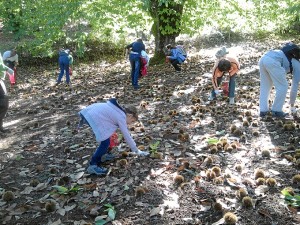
64, 65
105, 119
135, 61
273, 67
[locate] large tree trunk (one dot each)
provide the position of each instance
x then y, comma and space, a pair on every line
162, 35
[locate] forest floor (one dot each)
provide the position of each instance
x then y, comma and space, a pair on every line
43, 160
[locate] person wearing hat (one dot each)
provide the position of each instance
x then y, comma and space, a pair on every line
273, 67
4, 102
105, 119
224, 64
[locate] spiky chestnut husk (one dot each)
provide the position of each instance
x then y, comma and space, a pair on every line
238, 167
296, 179
266, 153
139, 191
241, 193
122, 162
260, 181
230, 218
179, 179
218, 206
271, 182
50, 206
247, 202
8, 196
217, 170
259, 173
125, 154
208, 160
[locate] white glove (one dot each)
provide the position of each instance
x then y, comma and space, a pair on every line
218, 92
142, 153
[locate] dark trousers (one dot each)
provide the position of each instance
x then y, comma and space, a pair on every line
175, 63
3, 109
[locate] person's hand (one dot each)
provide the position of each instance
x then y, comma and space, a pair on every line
218, 92
142, 153
10, 71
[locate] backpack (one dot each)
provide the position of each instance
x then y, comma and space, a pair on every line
181, 50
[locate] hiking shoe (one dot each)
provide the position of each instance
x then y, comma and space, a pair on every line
94, 169
262, 114
279, 114
107, 157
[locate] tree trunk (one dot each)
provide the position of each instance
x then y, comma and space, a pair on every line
165, 27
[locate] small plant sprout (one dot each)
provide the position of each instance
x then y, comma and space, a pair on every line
230, 218
153, 147
111, 212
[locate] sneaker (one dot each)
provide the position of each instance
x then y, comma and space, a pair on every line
262, 114
94, 169
279, 114
231, 101
107, 157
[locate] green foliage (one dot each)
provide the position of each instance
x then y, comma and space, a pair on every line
292, 200
111, 212
41, 27
154, 146
65, 191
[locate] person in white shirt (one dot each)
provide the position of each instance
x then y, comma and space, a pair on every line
105, 119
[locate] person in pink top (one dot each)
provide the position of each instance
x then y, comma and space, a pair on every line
105, 119
224, 64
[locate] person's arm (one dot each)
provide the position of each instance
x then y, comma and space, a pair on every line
235, 66
123, 127
295, 81
215, 73
129, 46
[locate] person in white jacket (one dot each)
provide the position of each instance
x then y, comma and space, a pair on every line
105, 119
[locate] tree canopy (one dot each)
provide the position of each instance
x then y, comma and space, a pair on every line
41, 26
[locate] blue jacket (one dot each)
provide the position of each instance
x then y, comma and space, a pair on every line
136, 47
176, 54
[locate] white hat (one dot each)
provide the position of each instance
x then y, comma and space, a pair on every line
221, 52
